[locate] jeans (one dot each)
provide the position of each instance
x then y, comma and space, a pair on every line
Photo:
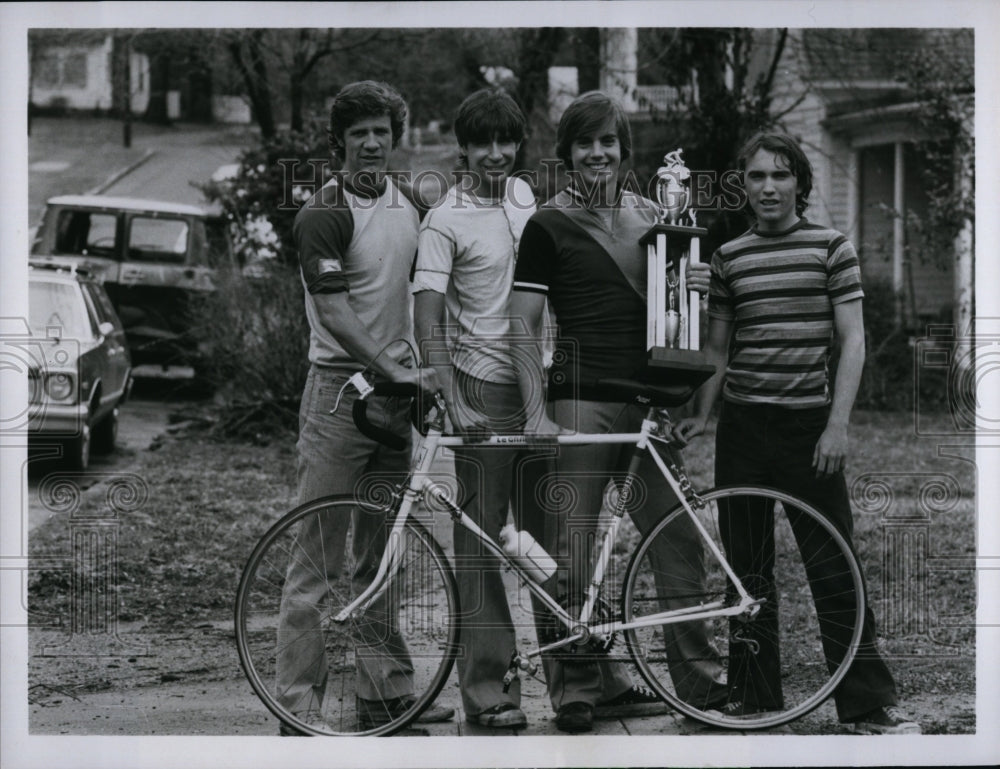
583, 473
773, 446
488, 478
334, 458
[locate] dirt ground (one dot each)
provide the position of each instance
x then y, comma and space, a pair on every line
134, 679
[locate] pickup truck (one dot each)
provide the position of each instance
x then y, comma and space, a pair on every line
152, 256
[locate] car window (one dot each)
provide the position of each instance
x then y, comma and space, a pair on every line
157, 240
102, 304
88, 233
217, 232
58, 308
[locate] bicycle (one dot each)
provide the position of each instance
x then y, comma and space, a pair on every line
397, 605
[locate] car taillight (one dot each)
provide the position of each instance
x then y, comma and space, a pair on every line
59, 387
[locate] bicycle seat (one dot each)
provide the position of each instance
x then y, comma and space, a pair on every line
645, 393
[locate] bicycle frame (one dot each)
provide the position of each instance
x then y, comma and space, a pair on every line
419, 484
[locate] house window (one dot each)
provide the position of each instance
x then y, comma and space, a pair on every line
47, 71
893, 205
75, 70
61, 69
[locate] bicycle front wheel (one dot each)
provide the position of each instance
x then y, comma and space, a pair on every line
373, 673
771, 668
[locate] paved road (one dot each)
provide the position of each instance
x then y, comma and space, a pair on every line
176, 163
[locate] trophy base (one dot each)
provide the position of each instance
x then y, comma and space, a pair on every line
678, 239
681, 367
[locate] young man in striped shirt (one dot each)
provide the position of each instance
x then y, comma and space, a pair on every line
778, 294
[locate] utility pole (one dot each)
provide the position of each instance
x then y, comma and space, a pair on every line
121, 56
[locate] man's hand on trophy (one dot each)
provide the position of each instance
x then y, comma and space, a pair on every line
698, 277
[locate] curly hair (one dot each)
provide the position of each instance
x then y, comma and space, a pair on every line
587, 114
361, 100
788, 148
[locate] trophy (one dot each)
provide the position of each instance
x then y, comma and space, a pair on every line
672, 330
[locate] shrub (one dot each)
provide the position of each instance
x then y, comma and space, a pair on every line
271, 182
888, 381
256, 337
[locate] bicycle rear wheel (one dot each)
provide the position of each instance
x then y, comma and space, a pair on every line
311, 671
784, 662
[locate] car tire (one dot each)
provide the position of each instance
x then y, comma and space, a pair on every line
105, 434
77, 455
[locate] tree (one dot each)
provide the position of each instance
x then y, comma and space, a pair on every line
248, 52
724, 81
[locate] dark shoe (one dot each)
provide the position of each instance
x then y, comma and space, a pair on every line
372, 713
503, 716
312, 718
887, 720
737, 709
575, 718
637, 701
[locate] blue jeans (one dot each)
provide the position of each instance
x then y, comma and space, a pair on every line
773, 446
334, 458
584, 472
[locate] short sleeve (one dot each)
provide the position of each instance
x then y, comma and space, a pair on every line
323, 230
843, 272
435, 257
720, 298
536, 258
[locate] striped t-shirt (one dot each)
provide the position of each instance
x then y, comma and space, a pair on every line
779, 291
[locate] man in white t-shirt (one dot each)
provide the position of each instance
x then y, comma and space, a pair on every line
464, 273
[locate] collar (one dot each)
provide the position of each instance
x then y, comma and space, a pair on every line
802, 222
578, 197
366, 187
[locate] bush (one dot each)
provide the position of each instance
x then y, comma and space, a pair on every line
273, 180
256, 337
888, 381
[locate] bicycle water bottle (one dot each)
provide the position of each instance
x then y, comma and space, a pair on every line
529, 555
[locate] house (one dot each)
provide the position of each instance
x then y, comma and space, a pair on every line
74, 69
857, 118
843, 94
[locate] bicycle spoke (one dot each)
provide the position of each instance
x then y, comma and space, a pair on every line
402, 646
782, 663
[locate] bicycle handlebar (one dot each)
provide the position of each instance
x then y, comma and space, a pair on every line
380, 434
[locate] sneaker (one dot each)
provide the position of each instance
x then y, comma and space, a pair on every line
372, 713
575, 717
637, 701
506, 715
886, 720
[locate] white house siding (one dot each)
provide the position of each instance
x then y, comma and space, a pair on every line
92, 90
94, 94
